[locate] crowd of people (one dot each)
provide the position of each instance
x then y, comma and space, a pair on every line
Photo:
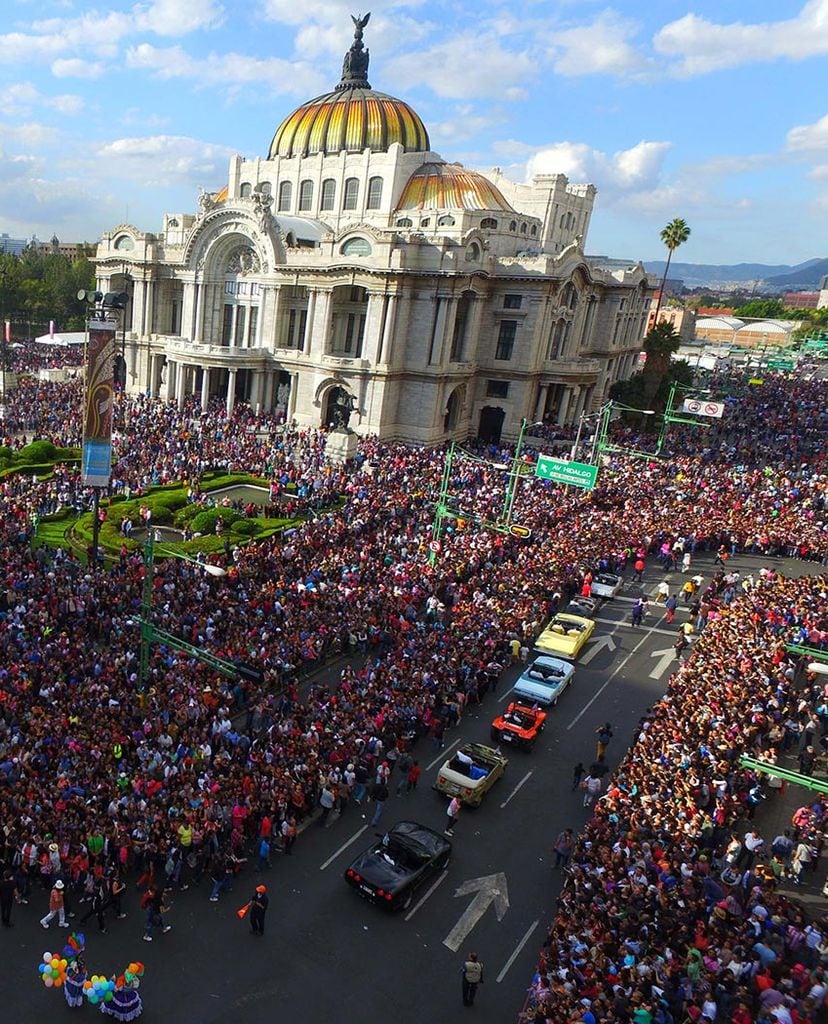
182, 781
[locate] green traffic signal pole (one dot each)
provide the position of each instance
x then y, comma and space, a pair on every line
444, 509
600, 444
150, 633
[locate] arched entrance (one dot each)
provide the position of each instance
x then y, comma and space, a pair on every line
491, 424
454, 407
337, 407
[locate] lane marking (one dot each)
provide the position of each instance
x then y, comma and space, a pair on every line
503, 696
344, 847
649, 629
587, 706
443, 755
441, 878
525, 778
516, 952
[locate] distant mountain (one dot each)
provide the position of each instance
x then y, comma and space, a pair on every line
779, 277
803, 278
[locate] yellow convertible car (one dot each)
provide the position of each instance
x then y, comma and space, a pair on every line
566, 635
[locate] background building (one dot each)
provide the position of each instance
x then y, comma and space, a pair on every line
353, 268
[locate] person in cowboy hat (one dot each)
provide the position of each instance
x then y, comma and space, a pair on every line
56, 907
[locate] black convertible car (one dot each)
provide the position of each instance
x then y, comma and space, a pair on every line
391, 870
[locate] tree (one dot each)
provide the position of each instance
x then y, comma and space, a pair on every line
765, 309
673, 235
661, 342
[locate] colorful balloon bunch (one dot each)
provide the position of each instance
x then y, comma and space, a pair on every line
53, 969
99, 989
132, 975
74, 946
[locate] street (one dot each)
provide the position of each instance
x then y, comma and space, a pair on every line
327, 955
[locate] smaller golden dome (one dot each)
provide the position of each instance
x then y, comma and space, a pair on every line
221, 195
450, 187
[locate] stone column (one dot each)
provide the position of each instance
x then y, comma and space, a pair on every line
307, 340
255, 391
270, 326
540, 405
564, 406
373, 327
321, 322
198, 311
180, 384
205, 388
267, 397
231, 392
172, 375
384, 353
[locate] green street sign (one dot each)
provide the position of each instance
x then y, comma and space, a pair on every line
576, 474
780, 364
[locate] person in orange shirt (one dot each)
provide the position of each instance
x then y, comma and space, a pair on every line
56, 908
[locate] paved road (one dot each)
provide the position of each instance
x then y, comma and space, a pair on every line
327, 955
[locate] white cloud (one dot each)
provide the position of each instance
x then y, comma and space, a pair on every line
601, 47
466, 66
628, 170
179, 17
227, 70
21, 98
809, 137
463, 124
700, 46
77, 67
162, 160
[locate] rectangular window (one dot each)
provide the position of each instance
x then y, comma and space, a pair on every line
349, 332
253, 326
506, 339
227, 325
175, 317
512, 301
241, 318
497, 388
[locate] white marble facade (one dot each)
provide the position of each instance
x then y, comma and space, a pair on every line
437, 301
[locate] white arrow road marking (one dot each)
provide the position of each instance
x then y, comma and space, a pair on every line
626, 624
489, 889
516, 953
596, 645
666, 655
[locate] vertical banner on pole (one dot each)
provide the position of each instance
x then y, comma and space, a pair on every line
98, 400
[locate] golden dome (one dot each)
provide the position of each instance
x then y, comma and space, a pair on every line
351, 118
450, 187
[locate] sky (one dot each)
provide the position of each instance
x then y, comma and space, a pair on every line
715, 111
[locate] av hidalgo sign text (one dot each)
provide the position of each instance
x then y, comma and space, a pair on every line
576, 474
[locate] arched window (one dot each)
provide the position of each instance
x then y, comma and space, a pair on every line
488, 222
534, 229
306, 195
523, 228
513, 225
356, 247
425, 222
350, 194
404, 222
569, 296
446, 221
374, 193
473, 252
328, 194
246, 190
265, 188
285, 195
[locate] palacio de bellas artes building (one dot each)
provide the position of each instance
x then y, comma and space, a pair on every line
355, 277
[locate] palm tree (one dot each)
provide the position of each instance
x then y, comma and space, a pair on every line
661, 342
673, 235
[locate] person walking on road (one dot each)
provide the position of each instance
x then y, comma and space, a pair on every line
670, 605
153, 903
563, 848
472, 977
604, 734
56, 908
379, 795
258, 909
638, 610
452, 814
578, 772
8, 892
592, 787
